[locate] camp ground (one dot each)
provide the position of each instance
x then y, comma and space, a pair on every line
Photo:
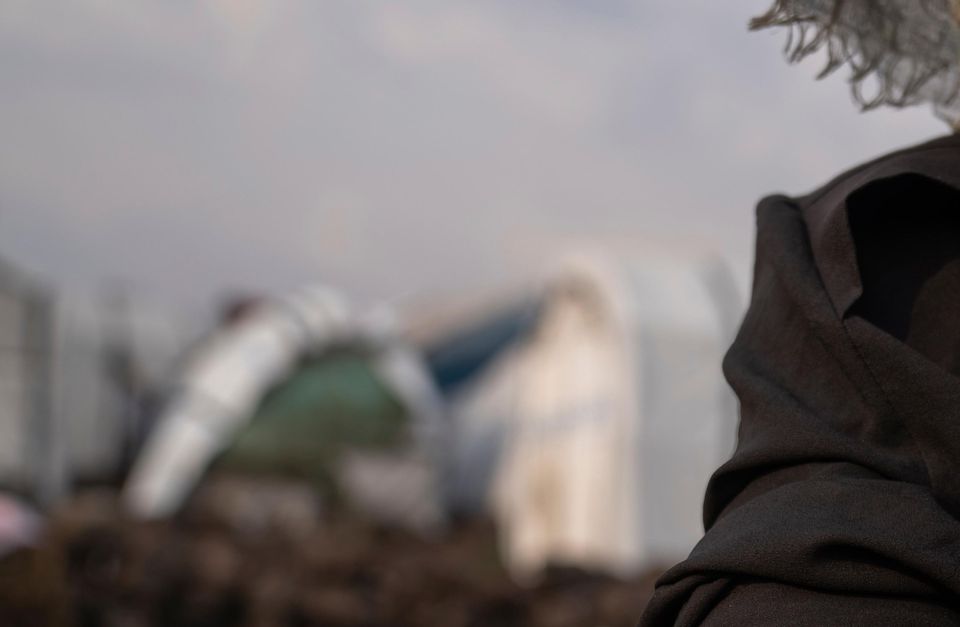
562, 411
556, 435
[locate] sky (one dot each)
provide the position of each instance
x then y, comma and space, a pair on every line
398, 150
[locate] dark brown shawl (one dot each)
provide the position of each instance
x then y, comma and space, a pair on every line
841, 505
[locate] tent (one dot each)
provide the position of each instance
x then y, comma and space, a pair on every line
593, 437
25, 426
73, 369
112, 358
305, 387
461, 345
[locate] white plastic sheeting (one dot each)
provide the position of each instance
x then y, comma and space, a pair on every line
614, 414
61, 414
91, 412
223, 387
24, 369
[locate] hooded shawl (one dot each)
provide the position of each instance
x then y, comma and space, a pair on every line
841, 504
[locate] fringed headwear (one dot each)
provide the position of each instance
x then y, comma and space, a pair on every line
901, 52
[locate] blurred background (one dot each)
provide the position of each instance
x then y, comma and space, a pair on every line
373, 313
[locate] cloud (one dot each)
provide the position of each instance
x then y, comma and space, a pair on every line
397, 149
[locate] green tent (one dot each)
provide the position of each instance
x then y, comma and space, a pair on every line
330, 403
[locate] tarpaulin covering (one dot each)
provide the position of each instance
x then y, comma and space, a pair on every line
330, 404
617, 415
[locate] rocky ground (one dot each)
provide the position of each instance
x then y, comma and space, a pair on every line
95, 569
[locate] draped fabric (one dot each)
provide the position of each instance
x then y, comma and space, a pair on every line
841, 504
899, 52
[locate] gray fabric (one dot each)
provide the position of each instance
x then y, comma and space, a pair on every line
899, 52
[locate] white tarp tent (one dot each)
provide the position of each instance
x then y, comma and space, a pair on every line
221, 390
24, 380
60, 416
107, 350
611, 415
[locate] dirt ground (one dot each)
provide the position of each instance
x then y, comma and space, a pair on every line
95, 569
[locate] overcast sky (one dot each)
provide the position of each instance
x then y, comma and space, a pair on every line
397, 148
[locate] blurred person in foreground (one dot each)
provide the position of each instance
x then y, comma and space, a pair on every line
841, 505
